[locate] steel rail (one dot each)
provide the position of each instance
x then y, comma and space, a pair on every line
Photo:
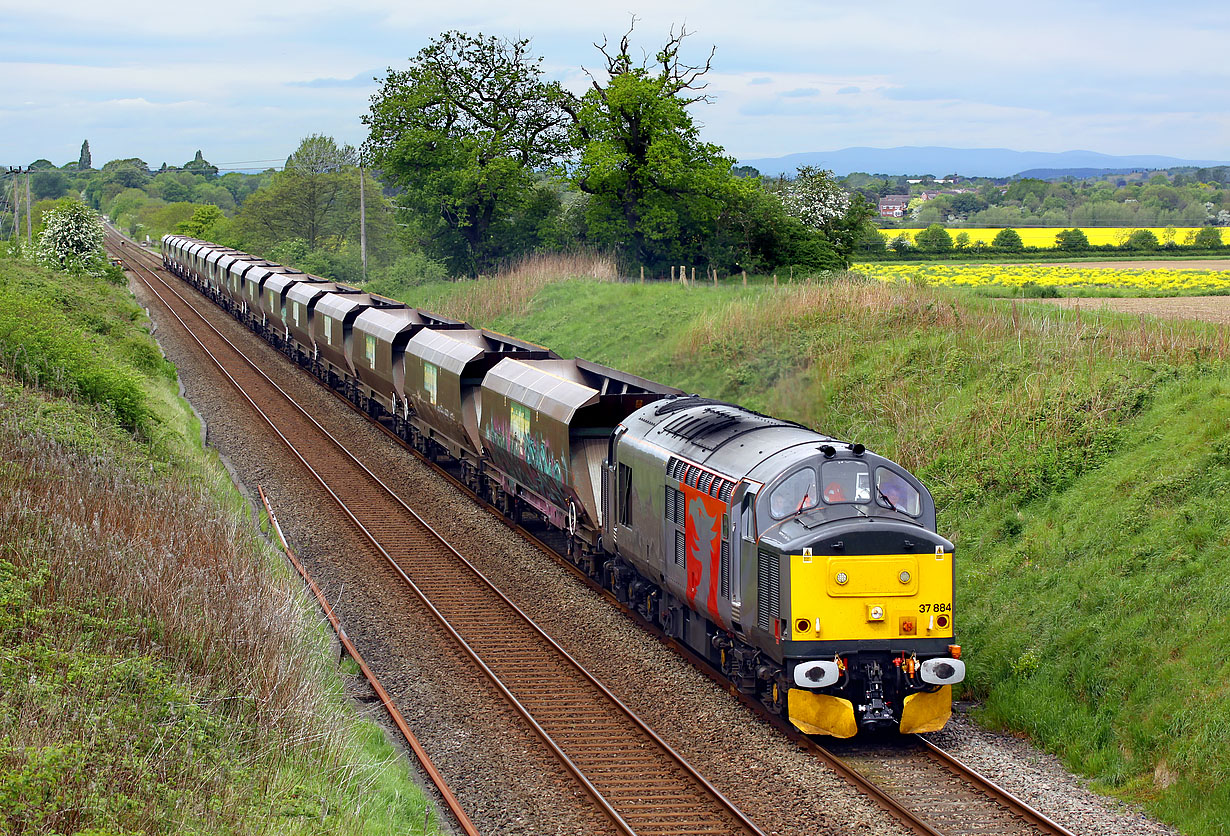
441, 785
989, 787
728, 807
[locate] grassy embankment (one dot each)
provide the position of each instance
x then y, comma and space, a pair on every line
1080, 462
160, 669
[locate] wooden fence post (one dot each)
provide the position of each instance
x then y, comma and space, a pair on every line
642, 274
672, 274
745, 278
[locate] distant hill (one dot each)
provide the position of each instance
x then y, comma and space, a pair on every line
970, 162
1074, 173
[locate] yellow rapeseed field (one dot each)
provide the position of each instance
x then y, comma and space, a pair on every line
1045, 236
1015, 275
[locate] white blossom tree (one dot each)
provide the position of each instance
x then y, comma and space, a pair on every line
816, 199
72, 239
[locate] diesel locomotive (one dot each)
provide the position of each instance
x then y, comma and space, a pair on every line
806, 569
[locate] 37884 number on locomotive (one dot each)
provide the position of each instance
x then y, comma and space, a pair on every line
808, 570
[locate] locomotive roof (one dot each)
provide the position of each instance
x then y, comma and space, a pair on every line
724, 437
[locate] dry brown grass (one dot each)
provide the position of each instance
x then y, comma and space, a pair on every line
157, 571
511, 290
866, 305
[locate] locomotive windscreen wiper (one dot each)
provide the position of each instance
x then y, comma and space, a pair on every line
887, 501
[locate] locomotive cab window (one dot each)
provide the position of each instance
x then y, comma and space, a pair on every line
796, 493
894, 492
845, 481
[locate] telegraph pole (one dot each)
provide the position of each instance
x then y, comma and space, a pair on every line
362, 224
16, 199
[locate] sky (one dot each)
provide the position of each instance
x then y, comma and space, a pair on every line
244, 81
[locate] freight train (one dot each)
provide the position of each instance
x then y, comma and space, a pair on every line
806, 569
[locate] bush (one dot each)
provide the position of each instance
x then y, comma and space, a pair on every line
1141, 239
1008, 239
901, 244
72, 239
1072, 239
934, 239
1033, 290
1208, 238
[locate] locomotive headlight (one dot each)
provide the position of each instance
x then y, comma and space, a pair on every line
875, 613
842, 578
904, 577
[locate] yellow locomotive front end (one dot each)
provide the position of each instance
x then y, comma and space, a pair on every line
878, 629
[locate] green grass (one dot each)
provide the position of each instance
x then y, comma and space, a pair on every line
1079, 461
133, 697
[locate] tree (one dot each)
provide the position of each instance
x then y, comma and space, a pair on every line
962, 241
51, 183
72, 238
83, 161
934, 239
1207, 238
901, 244
816, 199
654, 186
309, 200
461, 133
1008, 239
1141, 239
1071, 239
967, 203
203, 224
131, 173
199, 165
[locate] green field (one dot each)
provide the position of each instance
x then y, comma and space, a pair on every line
1079, 462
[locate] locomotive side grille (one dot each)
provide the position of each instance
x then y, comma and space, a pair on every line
725, 569
726, 489
768, 594
680, 548
674, 506
706, 479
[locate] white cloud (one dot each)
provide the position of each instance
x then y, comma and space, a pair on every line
1123, 77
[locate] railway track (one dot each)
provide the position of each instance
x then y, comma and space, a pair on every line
633, 778
917, 783
949, 796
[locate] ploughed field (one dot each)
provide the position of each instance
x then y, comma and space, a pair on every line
1206, 308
